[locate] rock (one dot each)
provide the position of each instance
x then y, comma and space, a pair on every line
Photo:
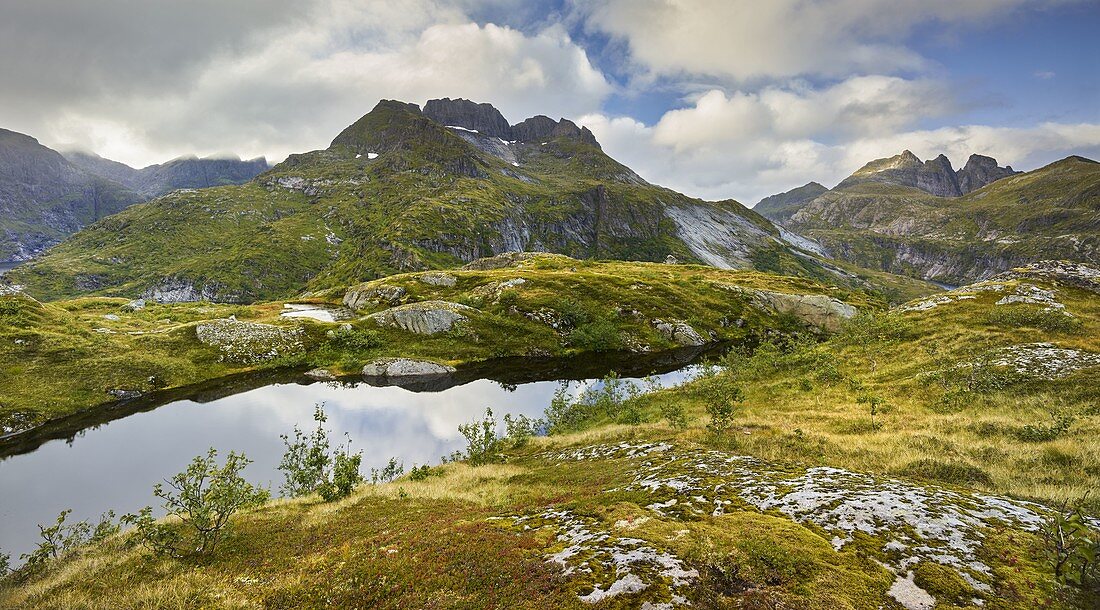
671, 260
321, 374
365, 295
180, 290
980, 171
424, 318
493, 290
112, 317
507, 259
405, 367
817, 310
249, 342
482, 118
121, 394
679, 332
935, 176
437, 278
135, 305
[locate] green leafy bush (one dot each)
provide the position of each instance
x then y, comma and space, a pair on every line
388, 473
519, 429
61, 538
419, 473
309, 466
1073, 546
482, 443
612, 399
1039, 433
600, 335
721, 396
203, 498
356, 339
673, 413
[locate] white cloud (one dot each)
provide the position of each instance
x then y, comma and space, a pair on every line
297, 88
750, 145
779, 39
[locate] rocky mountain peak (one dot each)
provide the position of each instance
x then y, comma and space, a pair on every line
979, 171
482, 118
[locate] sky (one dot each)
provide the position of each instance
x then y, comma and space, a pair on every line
714, 98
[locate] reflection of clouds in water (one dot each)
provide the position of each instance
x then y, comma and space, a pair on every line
115, 466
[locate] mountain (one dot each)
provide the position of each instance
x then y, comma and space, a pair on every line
400, 191
184, 172
44, 197
889, 216
779, 208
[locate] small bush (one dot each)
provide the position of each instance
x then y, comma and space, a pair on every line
612, 399
957, 473
1025, 316
309, 467
388, 473
721, 397
875, 404
62, 538
482, 443
356, 339
1073, 547
519, 429
673, 413
203, 497
5, 565
597, 336
1040, 433
419, 473
875, 328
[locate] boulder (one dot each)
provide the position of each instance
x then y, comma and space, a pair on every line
817, 310
249, 342
424, 318
679, 332
437, 278
320, 374
135, 305
405, 367
366, 295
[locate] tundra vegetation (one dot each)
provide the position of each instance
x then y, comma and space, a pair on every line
984, 432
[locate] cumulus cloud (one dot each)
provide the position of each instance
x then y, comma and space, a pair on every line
750, 39
751, 145
288, 84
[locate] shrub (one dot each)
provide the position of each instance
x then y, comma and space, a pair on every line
673, 413
482, 443
356, 339
5, 564
872, 328
62, 538
1073, 547
957, 473
203, 497
1040, 433
388, 473
874, 402
309, 467
612, 399
597, 336
520, 429
1045, 319
721, 397
419, 473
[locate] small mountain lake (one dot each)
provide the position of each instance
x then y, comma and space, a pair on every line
5, 267
109, 458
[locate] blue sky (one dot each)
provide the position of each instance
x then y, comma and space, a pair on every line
715, 98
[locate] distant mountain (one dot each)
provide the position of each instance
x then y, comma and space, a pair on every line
44, 197
780, 207
403, 189
184, 172
922, 219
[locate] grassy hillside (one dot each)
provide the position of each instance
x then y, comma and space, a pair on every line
1050, 213
399, 192
68, 355
807, 499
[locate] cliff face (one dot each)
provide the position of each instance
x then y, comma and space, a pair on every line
980, 171
184, 172
487, 120
779, 208
44, 198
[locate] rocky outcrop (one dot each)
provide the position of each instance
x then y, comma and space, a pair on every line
424, 318
935, 176
437, 278
366, 295
182, 290
679, 332
249, 342
405, 367
482, 118
817, 310
506, 260
179, 173
542, 128
980, 171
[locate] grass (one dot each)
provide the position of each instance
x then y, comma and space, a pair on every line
65, 356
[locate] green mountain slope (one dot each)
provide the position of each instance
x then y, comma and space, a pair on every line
781, 207
44, 198
882, 223
184, 172
397, 191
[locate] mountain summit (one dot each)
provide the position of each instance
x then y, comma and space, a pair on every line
935, 176
405, 189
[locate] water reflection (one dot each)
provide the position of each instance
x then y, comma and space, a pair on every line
114, 465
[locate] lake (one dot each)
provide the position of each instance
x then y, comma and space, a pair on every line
109, 458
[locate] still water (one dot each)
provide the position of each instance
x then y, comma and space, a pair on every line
113, 463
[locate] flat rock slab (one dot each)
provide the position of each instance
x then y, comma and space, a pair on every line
405, 367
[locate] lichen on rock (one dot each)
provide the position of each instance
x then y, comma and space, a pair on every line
249, 342
423, 318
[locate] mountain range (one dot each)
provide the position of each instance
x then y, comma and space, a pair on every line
927, 220
405, 189
45, 195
